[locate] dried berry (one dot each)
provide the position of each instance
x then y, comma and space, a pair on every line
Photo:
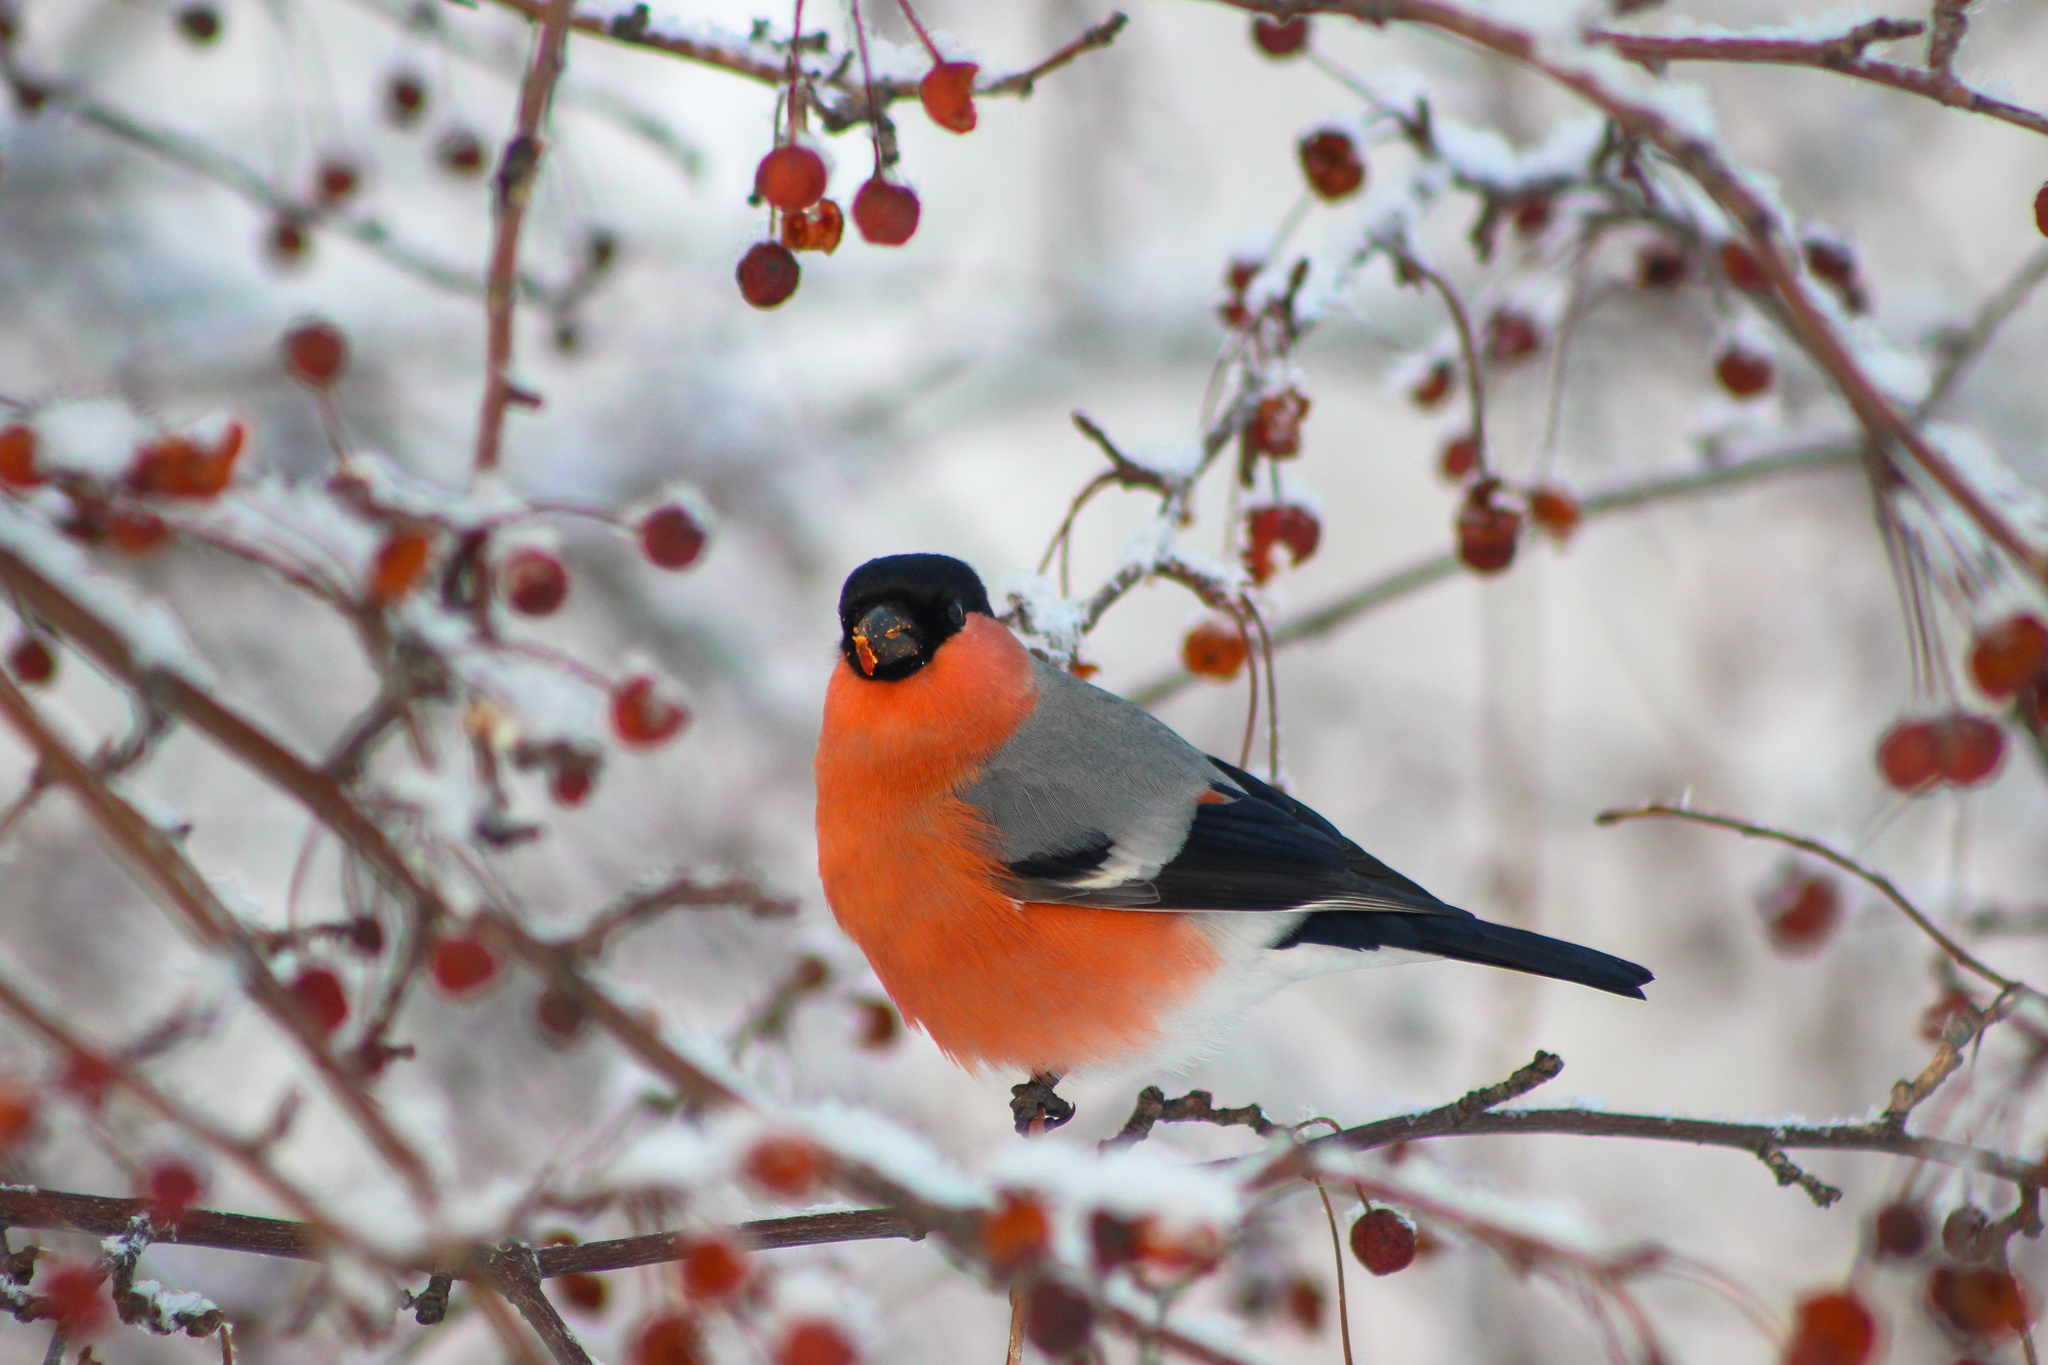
1058, 1320
2041, 210
885, 213
336, 178
713, 1269
1275, 426
817, 228
571, 775
1116, 1241
1280, 37
86, 1077
784, 1165
669, 1339
1532, 214
460, 152
172, 1187
72, 1296
1213, 649
1900, 1231
586, 1293
880, 1025
1661, 265
641, 717
1741, 266
1331, 162
1017, 1233
1512, 336
1434, 386
315, 352
285, 241
1802, 912
462, 966
790, 177
768, 274
534, 581
1969, 748
1286, 524
400, 563
1460, 456
32, 661
1305, 1302
947, 93
319, 995
366, 935
1909, 755
18, 457
670, 537
1964, 1234
559, 1016
1383, 1241
1979, 1301
200, 23
1955, 1005
137, 533
187, 467
1832, 1328
405, 97
1832, 263
17, 1115
2003, 659
1487, 531
1743, 373
814, 1341
1556, 511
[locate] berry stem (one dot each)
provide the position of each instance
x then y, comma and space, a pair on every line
1405, 264
922, 36
796, 88
867, 80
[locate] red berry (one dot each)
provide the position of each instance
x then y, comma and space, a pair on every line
713, 1269
641, 717
1556, 511
1383, 1241
86, 1077
315, 352
17, 1115
1275, 425
172, 1187
1213, 649
200, 23
32, 661
1970, 748
885, 213
1512, 336
18, 457
947, 93
2009, 655
1460, 457
586, 1293
366, 935
335, 179
461, 966
1280, 37
559, 1016
1900, 1231
1832, 1328
460, 152
790, 177
1058, 1320
814, 1341
185, 467
286, 240
1832, 263
1294, 527
571, 775
1331, 162
880, 1025
1305, 1303
1802, 912
319, 996
1741, 266
534, 581
1743, 373
1661, 265
768, 274
72, 1296
1979, 1301
1532, 214
671, 537
405, 97
1435, 386
1018, 1233
1909, 755
670, 1339
137, 533
1486, 530
400, 563
2041, 210
817, 228
783, 1165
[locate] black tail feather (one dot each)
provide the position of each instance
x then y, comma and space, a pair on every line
1464, 938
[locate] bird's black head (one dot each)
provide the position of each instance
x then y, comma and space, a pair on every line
896, 611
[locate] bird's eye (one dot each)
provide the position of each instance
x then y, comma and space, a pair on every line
957, 614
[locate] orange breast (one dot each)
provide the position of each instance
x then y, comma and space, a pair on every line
908, 871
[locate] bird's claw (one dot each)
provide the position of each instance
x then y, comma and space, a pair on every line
1037, 1107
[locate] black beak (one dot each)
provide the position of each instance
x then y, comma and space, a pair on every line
886, 635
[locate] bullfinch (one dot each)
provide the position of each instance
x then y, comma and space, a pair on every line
1045, 876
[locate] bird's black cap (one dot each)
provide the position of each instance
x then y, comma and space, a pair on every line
918, 601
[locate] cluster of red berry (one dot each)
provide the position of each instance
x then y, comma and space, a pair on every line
2009, 662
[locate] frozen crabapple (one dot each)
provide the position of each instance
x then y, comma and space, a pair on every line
2003, 658
559, 1016
815, 1341
17, 1115
1213, 649
534, 581
1832, 1328
1017, 1233
817, 228
405, 97
1909, 756
32, 661
1487, 531
1532, 214
285, 240
461, 965
1980, 1301
880, 1026
1434, 386
1969, 748
2041, 210
1330, 161
399, 564
790, 177
336, 178
1285, 524
947, 93
1280, 37
1512, 335
1058, 1320
1661, 265
185, 466
73, 1296
199, 22
136, 532
172, 1187
768, 274
1741, 266
713, 1269
670, 537
319, 995
1275, 425
1900, 1230
886, 213
1801, 912
1832, 263
1305, 1303
784, 1165
669, 1339
1383, 1241
586, 1293
460, 152
641, 716
315, 352
1555, 510
18, 457
1459, 457
1744, 373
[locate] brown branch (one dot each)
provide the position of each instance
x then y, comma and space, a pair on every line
1881, 883
513, 187
1951, 21
684, 890
1406, 268
514, 1271
1095, 38
1197, 1106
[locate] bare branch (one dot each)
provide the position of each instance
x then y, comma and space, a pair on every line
1197, 1106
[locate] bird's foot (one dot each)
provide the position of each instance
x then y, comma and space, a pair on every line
1037, 1107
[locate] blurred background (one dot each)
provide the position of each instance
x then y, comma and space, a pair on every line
1743, 648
